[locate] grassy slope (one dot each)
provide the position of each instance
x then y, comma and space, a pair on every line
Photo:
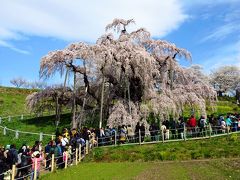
214, 169
217, 147
12, 101
42, 124
152, 161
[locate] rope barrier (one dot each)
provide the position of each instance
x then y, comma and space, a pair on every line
171, 135
24, 176
26, 132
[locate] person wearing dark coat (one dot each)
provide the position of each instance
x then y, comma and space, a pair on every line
142, 129
3, 164
137, 128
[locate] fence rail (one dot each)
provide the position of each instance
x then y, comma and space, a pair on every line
117, 138
63, 161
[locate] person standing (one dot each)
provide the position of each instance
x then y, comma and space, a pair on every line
142, 129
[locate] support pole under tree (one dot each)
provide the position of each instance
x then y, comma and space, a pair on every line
210, 130
129, 98
66, 77
74, 123
139, 136
101, 107
115, 138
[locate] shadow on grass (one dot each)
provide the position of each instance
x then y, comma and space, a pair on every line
49, 121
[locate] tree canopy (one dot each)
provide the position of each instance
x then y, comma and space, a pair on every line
135, 74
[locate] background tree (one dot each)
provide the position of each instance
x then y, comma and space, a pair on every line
225, 78
18, 82
51, 98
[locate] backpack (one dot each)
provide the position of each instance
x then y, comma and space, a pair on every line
24, 160
202, 123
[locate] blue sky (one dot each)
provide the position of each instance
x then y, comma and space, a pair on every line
209, 29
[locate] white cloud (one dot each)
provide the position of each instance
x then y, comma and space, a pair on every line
226, 55
222, 32
73, 20
12, 47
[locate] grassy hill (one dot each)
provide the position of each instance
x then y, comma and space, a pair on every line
12, 101
220, 169
130, 162
217, 147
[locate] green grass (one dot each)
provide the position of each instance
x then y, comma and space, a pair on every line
213, 169
31, 124
124, 170
217, 147
12, 100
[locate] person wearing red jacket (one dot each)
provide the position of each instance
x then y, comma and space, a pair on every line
192, 123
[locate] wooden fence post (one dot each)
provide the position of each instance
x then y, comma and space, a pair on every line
52, 163
22, 117
17, 134
66, 159
9, 118
162, 131
80, 152
40, 136
13, 172
0, 120
35, 169
184, 132
87, 144
228, 127
76, 156
52, 137
97, 141
4, 131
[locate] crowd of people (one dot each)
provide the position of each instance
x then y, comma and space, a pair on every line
25, 157
173, 129
67, 141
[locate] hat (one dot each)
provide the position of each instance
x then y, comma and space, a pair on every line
35, 153
8, 146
